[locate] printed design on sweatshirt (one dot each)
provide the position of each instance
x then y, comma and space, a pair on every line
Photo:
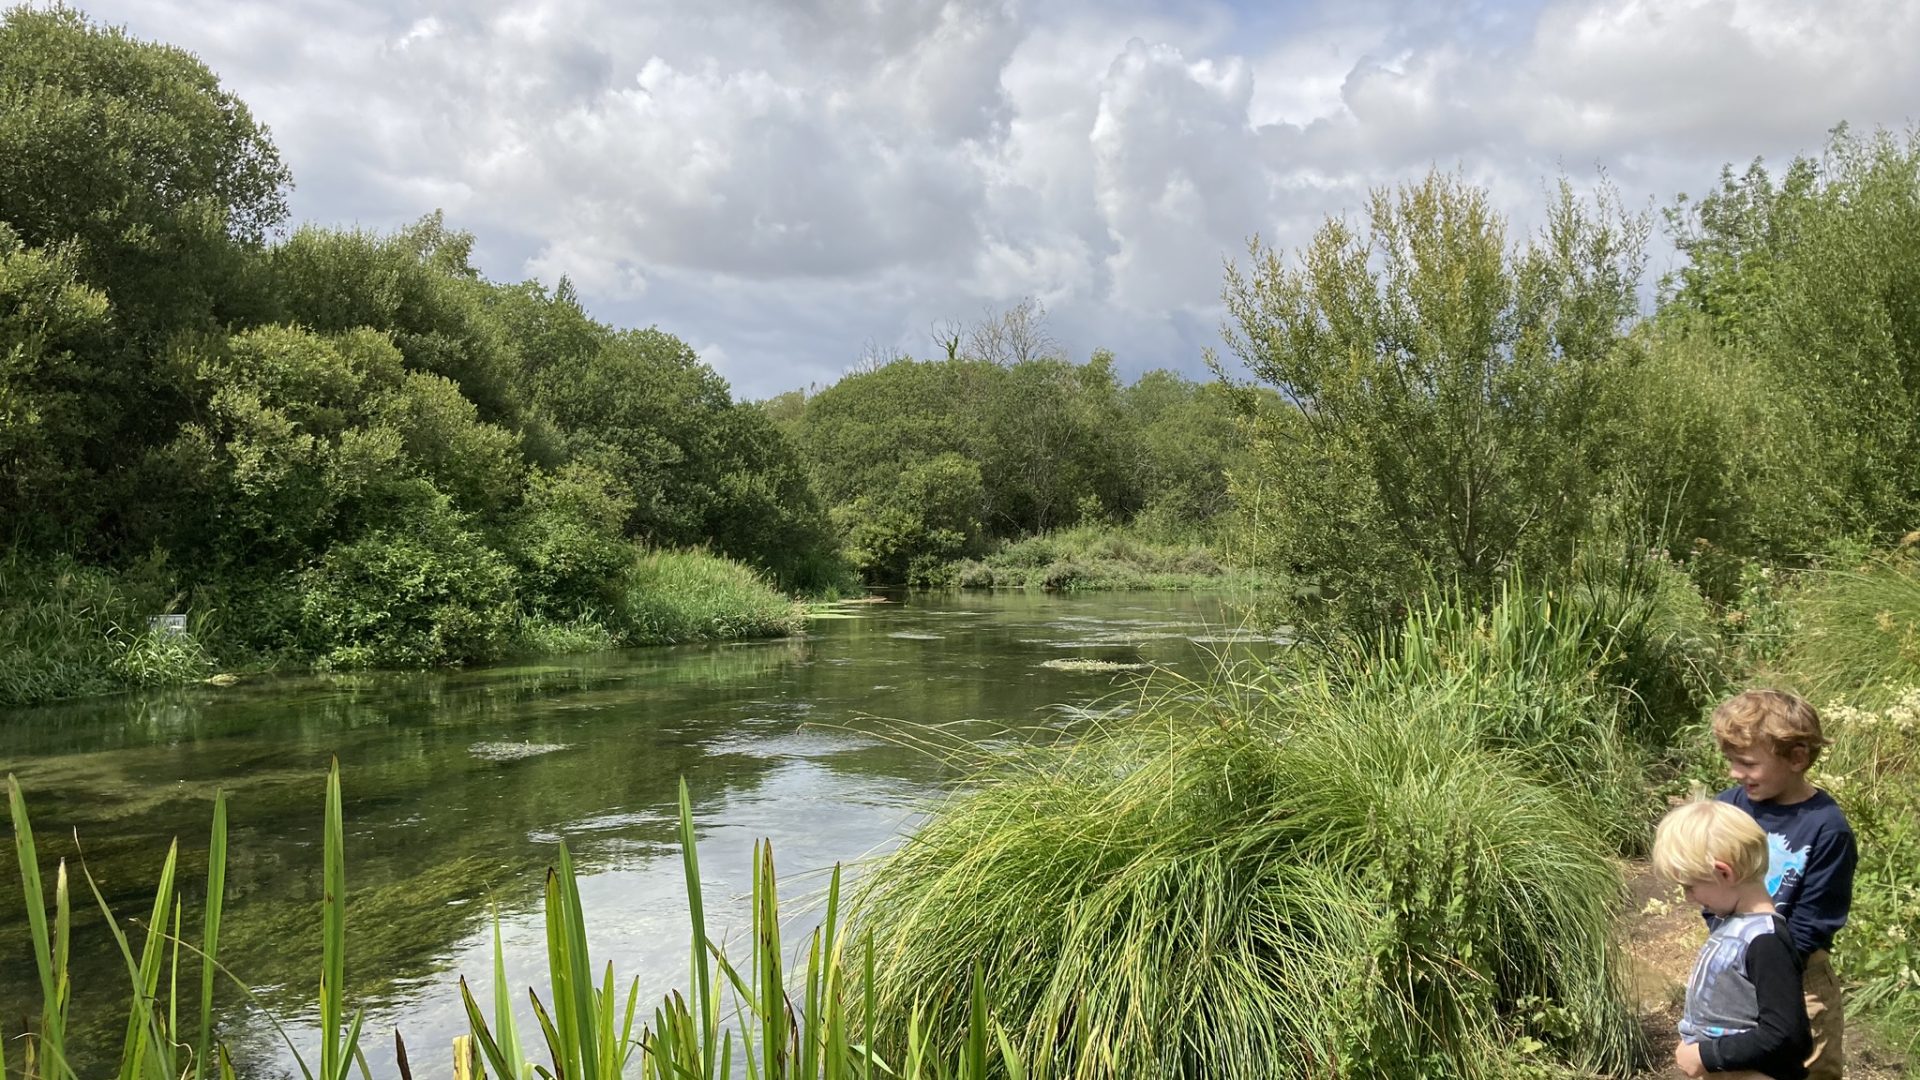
1783, 861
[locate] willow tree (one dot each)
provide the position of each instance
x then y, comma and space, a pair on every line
1446, 387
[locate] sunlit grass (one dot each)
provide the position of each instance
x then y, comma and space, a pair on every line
675, 596
1264, 878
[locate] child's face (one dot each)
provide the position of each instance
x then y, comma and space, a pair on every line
1719, 895
1762, 771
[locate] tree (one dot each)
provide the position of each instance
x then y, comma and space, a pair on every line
132, 150
1014, 336
49, 324
1813, 280
1445, 390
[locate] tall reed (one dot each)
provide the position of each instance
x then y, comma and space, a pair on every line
827, 1034
161, 1044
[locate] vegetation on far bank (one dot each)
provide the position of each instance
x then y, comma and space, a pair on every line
1095, 557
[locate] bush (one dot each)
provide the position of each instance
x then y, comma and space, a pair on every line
429, 593
1263, 878
675, 596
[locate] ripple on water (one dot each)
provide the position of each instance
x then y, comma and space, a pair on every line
915, 635
513, 751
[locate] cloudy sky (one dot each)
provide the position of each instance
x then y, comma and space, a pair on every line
782, 182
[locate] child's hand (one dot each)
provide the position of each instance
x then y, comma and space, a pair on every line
1687, 1056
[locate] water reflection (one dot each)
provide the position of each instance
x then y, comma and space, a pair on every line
459, 784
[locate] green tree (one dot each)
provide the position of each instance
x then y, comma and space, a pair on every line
1814, 279
1446, 392
49, 324
417, 285
133, 151
907, 534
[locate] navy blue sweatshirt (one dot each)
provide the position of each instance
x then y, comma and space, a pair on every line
1811, 857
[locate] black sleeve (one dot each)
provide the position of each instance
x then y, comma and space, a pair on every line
1778, 1045
1826, 891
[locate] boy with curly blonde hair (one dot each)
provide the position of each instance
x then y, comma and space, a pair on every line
1770, 739
1745, 1015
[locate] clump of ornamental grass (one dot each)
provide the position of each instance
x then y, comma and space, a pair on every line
1259, 879
675, 596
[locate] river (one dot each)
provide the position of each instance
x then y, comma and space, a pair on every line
458, 786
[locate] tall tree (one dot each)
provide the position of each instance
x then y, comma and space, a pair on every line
1445, 387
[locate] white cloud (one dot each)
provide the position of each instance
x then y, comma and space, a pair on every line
785, 180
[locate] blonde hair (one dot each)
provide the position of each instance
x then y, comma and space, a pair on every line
1693, 837
1774, 719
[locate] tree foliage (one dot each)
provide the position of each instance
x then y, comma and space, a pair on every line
1446, 389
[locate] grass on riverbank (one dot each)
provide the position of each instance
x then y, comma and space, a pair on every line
1095, 557
69, 631
1267, 872
676, 596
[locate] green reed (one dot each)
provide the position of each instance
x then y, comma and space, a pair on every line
159, 1043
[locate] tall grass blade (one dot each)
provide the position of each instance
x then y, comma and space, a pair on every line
48, 956
210, 930
333, 959
702, 973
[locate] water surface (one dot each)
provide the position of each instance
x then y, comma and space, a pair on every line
459, 785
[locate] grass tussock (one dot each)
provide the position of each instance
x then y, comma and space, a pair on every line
1096, 557
676, 596
1261, 879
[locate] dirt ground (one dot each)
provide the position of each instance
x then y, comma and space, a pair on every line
1663, 936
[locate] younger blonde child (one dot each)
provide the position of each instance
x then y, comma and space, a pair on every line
1745, 1016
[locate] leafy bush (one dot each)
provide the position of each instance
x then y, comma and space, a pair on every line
427, 593
675, 596
1443, 388
928, 518
1262, 877
568, 541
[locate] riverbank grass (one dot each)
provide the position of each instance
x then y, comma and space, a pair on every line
1267, 871
70, 631
677, 596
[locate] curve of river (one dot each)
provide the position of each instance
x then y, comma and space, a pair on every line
458, 785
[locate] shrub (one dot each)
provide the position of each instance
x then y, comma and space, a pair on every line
568, 541
675, 596
1264, 879
429, 593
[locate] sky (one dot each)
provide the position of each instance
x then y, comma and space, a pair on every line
789, 185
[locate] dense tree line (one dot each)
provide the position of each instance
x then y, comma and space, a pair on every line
926, 462
350, 445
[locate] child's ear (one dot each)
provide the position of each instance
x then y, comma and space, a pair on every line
1799, 757
1722, 872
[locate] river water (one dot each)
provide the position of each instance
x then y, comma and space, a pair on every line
459, 786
